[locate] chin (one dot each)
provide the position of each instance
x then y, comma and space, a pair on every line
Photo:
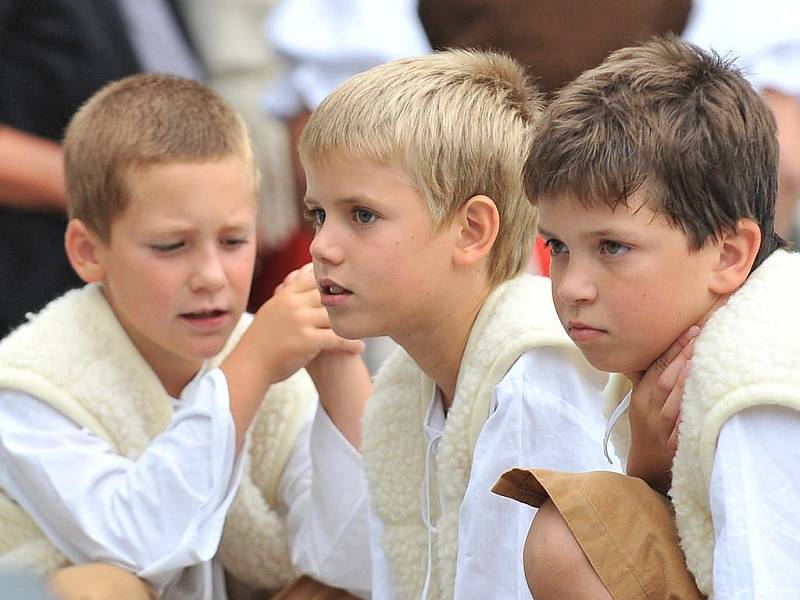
352, 331
615, 364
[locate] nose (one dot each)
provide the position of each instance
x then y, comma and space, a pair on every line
574, 283
208, 272
326, 247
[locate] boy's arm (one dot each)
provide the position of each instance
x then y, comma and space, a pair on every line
31, 171
654, 413
754, 498
289, 330
154, 515
344, 386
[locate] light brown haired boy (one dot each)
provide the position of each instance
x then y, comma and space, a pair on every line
125, 412
655, 178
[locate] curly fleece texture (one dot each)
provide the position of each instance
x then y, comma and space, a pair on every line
75, 356
518, 316
748, 354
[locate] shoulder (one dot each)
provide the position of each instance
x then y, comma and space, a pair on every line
762, 319
556, 372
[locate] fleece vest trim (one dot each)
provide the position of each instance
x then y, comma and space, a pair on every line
516, 317
747, 354
75, 356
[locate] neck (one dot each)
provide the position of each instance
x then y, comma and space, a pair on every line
438, 349
174, 380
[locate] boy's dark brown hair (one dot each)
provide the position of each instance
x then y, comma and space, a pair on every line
674, 121
139, 121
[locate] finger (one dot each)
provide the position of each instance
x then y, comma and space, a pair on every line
327, 340
351, 346
301, 280
678, 345
663, 361
667, 380
318, 318
672, 443
300, 297
672, 407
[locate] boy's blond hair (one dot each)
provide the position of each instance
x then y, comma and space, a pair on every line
456, 123
140, 121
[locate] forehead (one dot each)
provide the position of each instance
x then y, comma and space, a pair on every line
199, 190
343, 179
572, 212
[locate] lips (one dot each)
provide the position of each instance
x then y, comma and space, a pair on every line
204, 314
206, 320
581, 332
332, 294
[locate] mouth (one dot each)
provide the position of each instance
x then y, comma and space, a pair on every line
332, 294
205, 317
581, 332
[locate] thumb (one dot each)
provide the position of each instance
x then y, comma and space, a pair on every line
351, 346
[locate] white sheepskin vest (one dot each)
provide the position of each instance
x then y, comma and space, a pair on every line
515, 318
748, 354
76, 356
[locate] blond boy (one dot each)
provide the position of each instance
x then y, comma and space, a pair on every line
655, 178
422, 233
123, 443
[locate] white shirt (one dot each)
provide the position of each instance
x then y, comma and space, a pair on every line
764, 37
324, 42
160, 516
544, 413
755, 505
754, 498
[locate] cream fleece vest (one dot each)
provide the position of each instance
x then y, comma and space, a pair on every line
516, 317
748, 354
75, 356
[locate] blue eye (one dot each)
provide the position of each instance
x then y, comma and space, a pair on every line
316, 216
613, 248
556, 247
364, 216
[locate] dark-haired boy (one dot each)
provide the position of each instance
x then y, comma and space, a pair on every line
655, 177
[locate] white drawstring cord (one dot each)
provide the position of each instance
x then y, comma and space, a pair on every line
425, 513
612, 420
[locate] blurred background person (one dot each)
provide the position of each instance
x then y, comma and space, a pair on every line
53, 55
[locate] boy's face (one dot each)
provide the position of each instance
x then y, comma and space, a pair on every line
178, 266
625, 284
380, 263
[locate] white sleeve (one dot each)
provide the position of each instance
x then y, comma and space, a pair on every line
326, 42
328, 508
154, 515
546, 413
755, 505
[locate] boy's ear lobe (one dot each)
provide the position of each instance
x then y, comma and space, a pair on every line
82, 246
737, 253
479, 223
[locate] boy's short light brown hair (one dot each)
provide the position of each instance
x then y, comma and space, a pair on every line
139, 121
679, 123
456, 123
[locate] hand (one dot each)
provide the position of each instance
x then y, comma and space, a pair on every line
289, 330
654, 412
293, 327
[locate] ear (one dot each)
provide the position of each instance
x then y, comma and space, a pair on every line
83, 250
479, 223
737, 252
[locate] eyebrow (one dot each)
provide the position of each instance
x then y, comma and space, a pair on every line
349, 200
596, 233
